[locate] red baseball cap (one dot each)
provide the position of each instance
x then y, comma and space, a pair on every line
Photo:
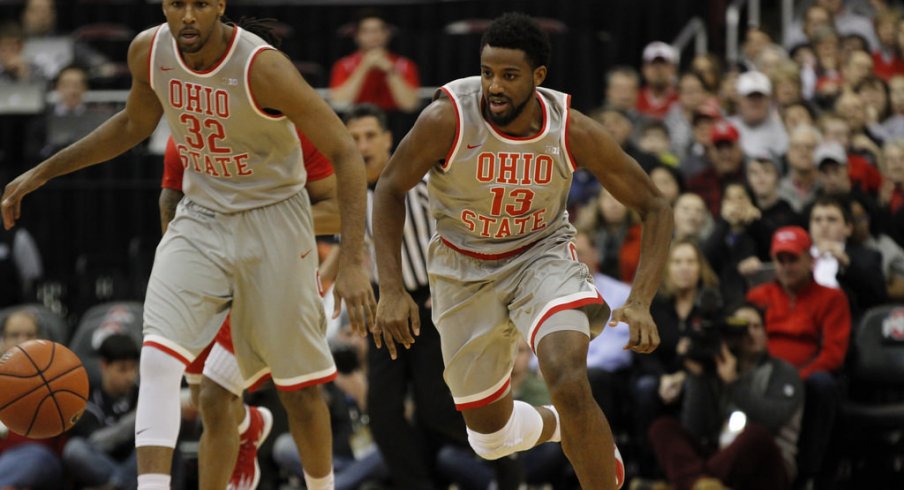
790, 239
723, 131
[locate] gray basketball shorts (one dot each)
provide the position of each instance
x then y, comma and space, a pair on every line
482, 307
261, 264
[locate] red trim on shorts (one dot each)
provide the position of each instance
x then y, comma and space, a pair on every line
482, 256
486, 401
564, 306
571, 163
457, 129
197, 366
305, 384
167, 350
257, 384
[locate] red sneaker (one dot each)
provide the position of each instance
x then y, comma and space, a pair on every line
247, 472
619, 469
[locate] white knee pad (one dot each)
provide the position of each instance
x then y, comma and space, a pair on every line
158, 412
222, 367
521, 432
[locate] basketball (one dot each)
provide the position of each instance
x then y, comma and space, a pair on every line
43, 389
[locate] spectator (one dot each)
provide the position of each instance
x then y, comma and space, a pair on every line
853, 109
856, 67
839, 263
20, 266
660, 376
726, 164
848, 22
373, 73
800, 186
69, 118
702, 124
101, 449
758, 124
891, 196
894, 124
787, 84
620, 127
826, 72
660, 62
692, 219
44, 46
622, 91
654, 139
887, 61
892, 253
862, 154
27, 463
748, 388
796, 115
731, 248
14, 67
691, 96
763, 176
801, 31
668, 180
709, 67
874, 93
809, 326
617, 233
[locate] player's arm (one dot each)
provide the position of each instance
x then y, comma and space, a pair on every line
324, 205
276, 84
594, 149
121, 132
169, 199
170, 184
424, 146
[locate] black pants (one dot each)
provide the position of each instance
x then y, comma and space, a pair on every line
410, 449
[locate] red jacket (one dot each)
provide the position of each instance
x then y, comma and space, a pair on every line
810, 331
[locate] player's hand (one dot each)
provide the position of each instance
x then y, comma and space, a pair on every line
644, 334
398, 321
11, 203
353, 285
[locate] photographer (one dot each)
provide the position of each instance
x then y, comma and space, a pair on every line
741, 417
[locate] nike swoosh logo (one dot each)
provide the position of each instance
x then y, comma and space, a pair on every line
471, 147
141, 430
305, 254
166, 68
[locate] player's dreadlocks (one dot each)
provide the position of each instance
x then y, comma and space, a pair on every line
264, 28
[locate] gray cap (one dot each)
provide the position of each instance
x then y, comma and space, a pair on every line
830, 151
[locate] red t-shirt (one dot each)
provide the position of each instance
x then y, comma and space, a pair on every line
650, 105
886, 69
315, 163
864, 173
812, 332
375, 89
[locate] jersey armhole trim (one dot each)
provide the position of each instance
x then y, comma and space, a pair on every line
456, 143
257, 108
152, 55
568, 155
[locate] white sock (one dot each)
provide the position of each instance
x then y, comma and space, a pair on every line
557, 433
325, 483
246, 422
153, 481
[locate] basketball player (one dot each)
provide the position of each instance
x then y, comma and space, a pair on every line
242, 233
235, 429
500, 151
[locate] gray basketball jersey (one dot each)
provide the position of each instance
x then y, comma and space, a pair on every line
237, 156
496, 194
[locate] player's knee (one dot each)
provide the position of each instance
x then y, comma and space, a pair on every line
567, 384
214, 401
157, 417
303, 402
520, 433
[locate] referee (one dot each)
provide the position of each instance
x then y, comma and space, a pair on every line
409, 447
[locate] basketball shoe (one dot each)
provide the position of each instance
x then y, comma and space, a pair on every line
247, 472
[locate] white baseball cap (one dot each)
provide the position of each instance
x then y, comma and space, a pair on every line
659, 50
753, 82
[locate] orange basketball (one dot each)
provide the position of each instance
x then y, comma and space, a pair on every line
43, 389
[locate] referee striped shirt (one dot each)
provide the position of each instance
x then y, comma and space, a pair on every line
416, 235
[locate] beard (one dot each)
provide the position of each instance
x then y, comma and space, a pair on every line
505, 119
